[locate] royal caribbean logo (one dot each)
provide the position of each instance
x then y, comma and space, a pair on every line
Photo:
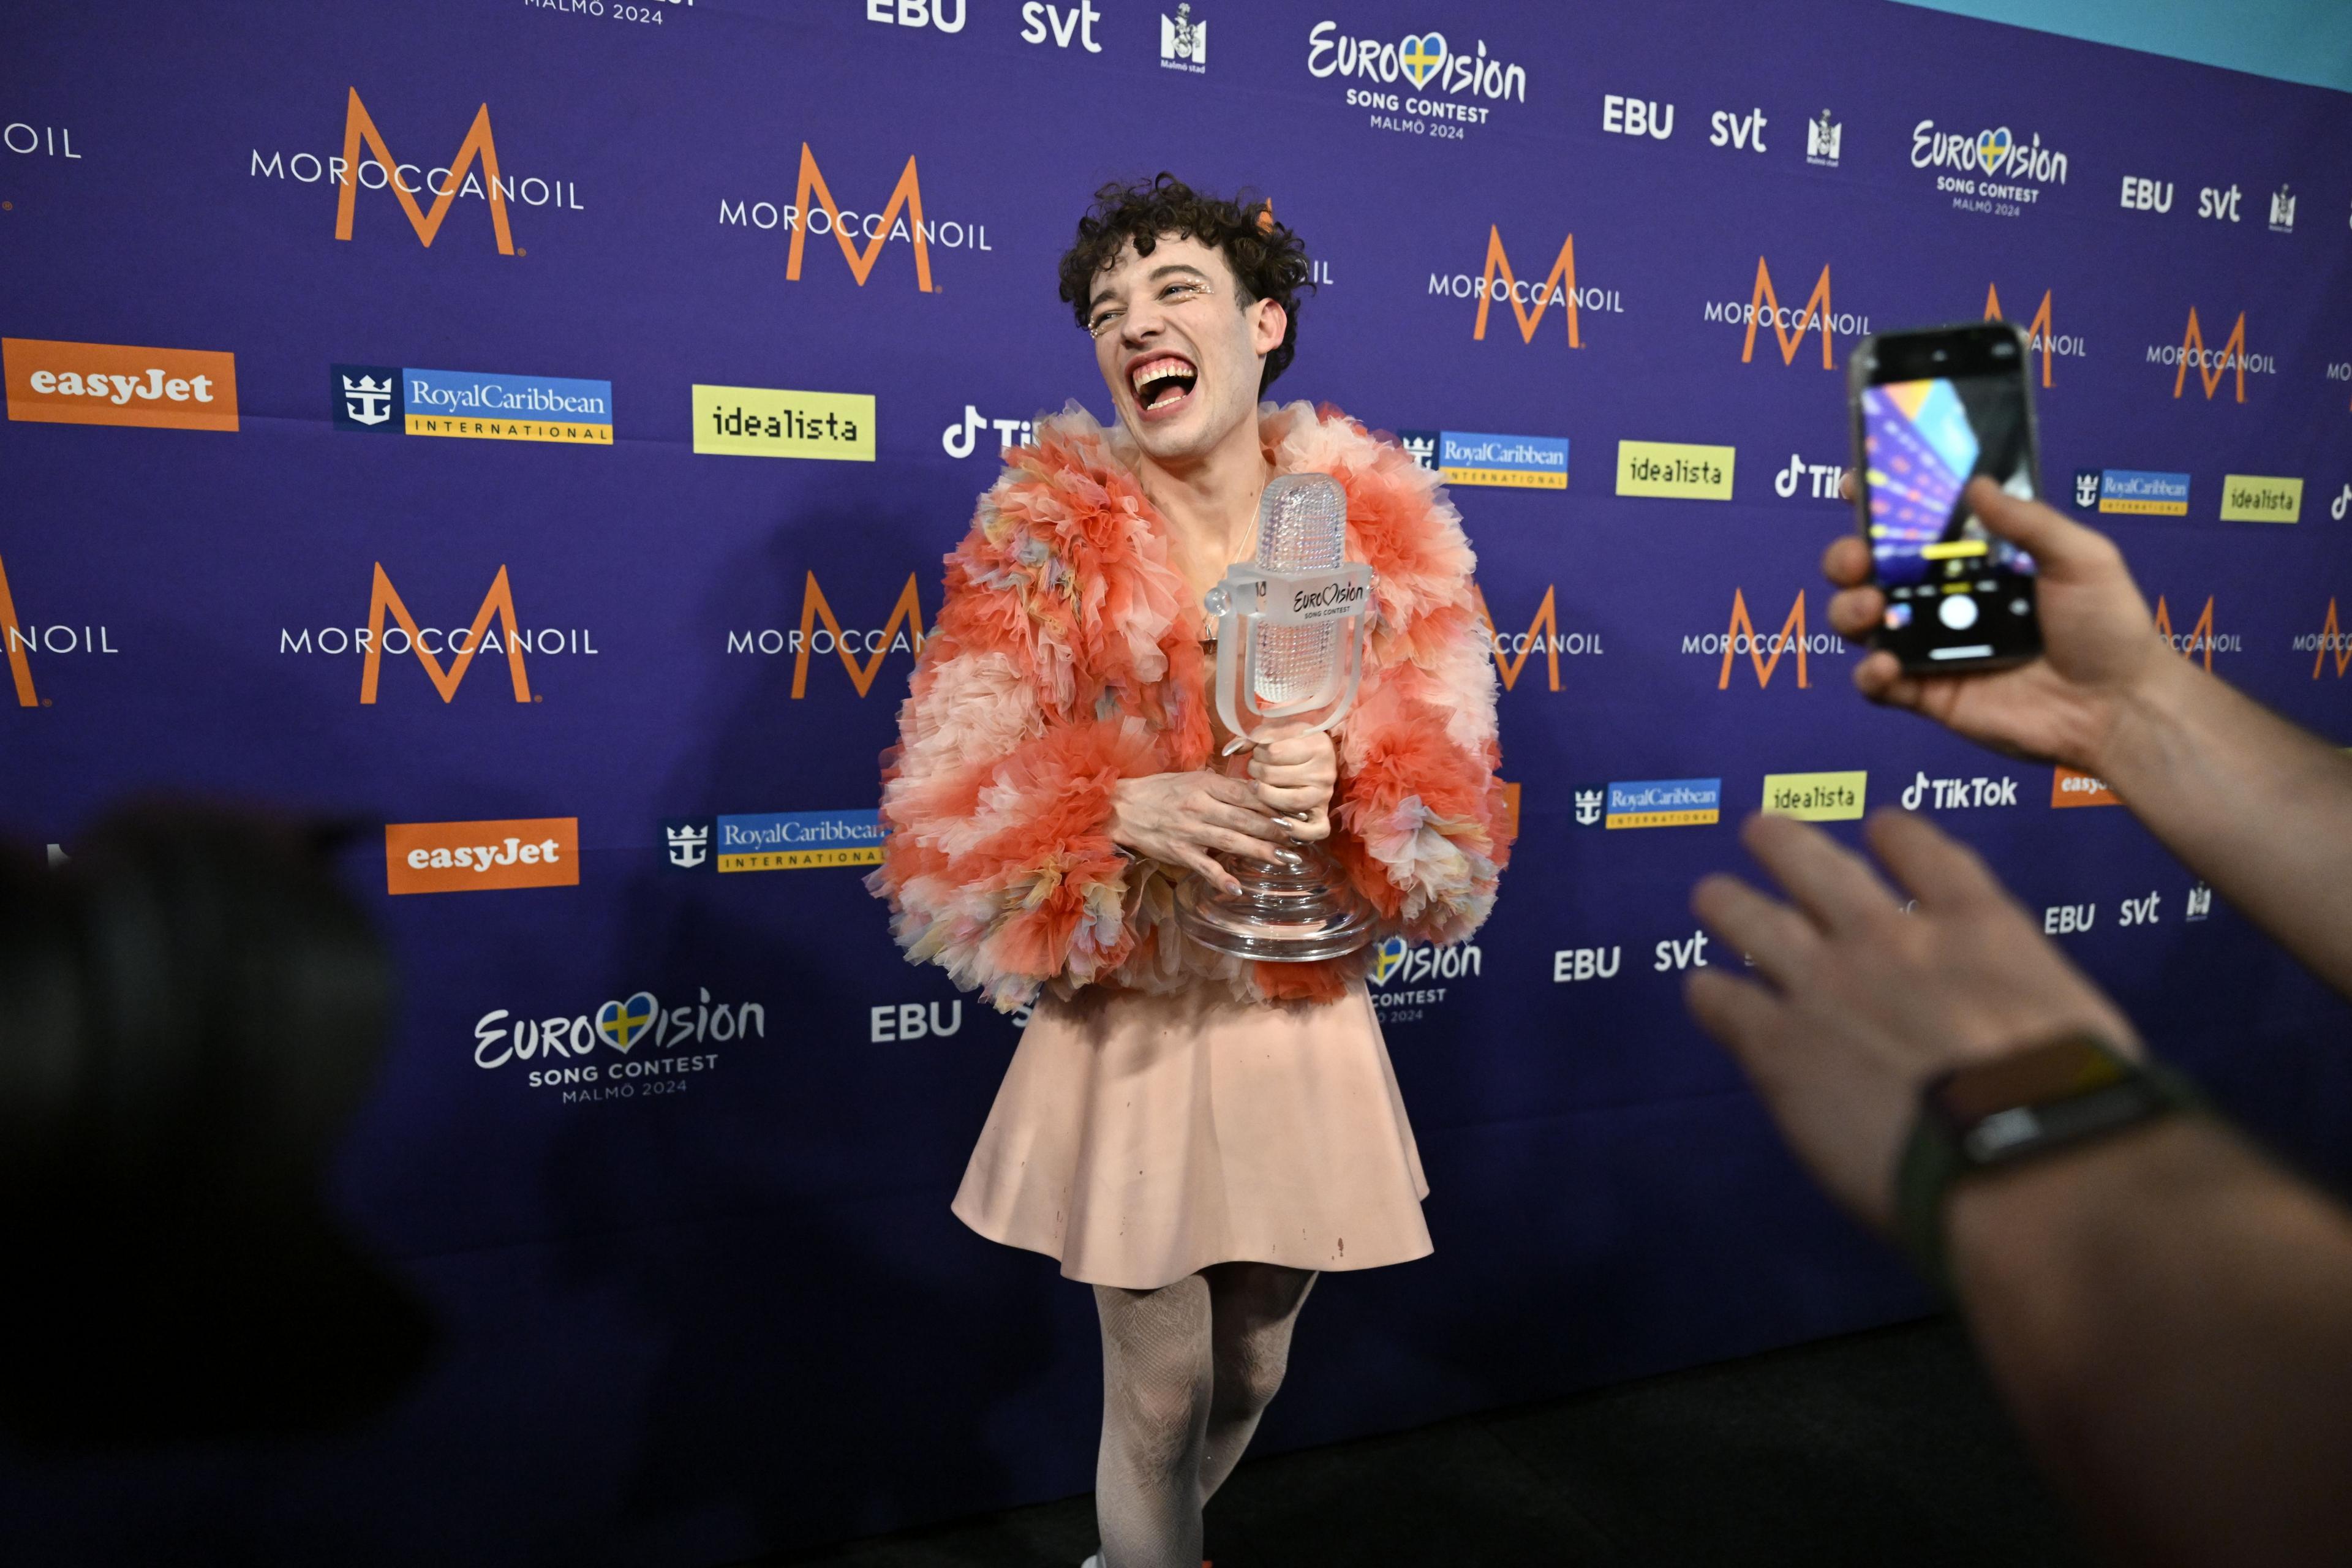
1992, 172
767, 422
1514, 462
2259, 497
566, 1048
773, 841
1816, 798
901, 221
1649, 802
2141, 492
470, 404
473, 174
1404, 77
1675, 469
111, 384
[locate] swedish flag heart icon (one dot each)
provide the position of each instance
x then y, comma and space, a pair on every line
623, 1024
1421, 54
1386, 957
1992, 146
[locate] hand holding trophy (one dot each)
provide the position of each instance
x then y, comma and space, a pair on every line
1291, 629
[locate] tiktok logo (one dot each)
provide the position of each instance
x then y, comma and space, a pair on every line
1823, 477
1959, 794
2343, 504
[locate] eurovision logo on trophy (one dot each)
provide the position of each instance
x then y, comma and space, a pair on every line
1291, 630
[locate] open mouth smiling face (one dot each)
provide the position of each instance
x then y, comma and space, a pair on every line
1162, 384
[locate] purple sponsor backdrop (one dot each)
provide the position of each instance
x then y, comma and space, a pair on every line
727, 1309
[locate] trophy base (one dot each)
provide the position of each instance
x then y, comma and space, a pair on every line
1295, 910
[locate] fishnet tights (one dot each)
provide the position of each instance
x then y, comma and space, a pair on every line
1187, 1371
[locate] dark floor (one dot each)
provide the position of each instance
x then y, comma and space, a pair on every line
1885, 1449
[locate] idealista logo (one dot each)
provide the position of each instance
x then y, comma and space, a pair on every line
22, 641
2139, 493
768, 422
621, 1024
1650, 802
1425, 64
1543, 635
1816, 798
1183, 42
2042, 338
1514, 462
469, 856
2259, 497
480, 406
1675, 469
496, 629
1763, 651
473, 174
2069, 788
1528, 299
901, 221
2014, 171
1790, 326
773, 841
109, 383
2212, 364
902, 633
1399, 963
2199, 639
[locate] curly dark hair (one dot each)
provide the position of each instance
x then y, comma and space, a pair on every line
1268, 260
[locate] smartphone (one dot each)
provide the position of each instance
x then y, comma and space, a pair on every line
1932, 410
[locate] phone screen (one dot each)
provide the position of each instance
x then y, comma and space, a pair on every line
1955, 593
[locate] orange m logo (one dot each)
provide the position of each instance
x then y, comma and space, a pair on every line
358, 127
2192, 348
908, 611
2331, 640
13, 636
1815, 313
1543, 632
1791, 635
906, 193
499, 601
2038, 331
2200, 635
1563, 272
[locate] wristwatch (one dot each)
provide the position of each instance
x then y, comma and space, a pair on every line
1990, 1115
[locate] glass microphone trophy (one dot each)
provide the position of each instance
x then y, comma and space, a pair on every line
1292, 628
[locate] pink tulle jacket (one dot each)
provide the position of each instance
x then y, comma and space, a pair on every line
1066, 658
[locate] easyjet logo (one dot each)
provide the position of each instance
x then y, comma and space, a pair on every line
1789, 324
2200, 640
113, 383
820, 633
2041, 337
2329, 640
860, 233
2212, 364
474, 856
1512, 649
1764, 651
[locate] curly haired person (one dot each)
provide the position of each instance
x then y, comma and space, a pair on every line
1196, 1136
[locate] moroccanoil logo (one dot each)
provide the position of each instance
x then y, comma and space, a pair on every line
2043, 338
1527, 297
2198, 640
902, 220
1816, 798
496, 629
19, 640
2331, 639
473, 857
2212, 364
1789, 325
111, 384
1763, 651
1675, 469
1511, 649
820, 632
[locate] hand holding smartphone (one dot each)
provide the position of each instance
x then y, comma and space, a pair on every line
1931, 411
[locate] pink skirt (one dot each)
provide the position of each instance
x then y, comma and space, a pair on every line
1141, 1138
